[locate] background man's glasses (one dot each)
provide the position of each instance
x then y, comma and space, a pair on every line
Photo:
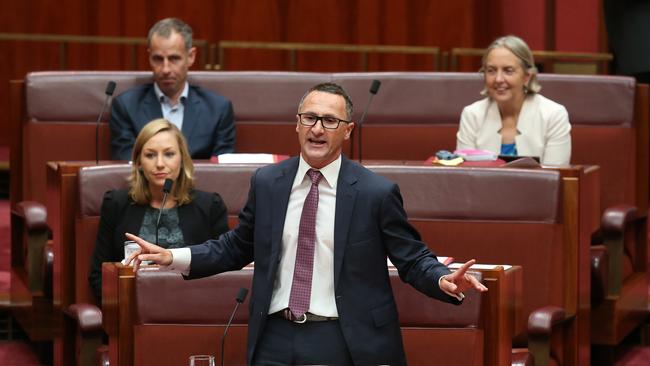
330, 123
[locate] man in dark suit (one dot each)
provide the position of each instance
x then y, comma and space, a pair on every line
205, 118
321, 292
628, 26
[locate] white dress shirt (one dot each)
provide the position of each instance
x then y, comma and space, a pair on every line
172, 113
322, 284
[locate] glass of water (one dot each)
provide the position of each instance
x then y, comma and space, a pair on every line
202, 360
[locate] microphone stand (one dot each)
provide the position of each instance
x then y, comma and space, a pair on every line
110, 88
374, 88
241, 296
167, 187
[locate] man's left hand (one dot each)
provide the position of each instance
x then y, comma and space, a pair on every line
459, 281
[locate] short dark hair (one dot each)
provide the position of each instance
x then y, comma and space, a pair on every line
165, 27
331, 88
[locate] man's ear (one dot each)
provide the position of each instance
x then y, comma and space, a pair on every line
348, 129
191, 56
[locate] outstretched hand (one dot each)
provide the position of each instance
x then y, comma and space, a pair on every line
148, 252
459, 281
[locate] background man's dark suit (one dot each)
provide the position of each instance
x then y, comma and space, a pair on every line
628, 27
203, 218
208, 121
370, 223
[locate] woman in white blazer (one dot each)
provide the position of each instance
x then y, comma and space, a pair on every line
514, 119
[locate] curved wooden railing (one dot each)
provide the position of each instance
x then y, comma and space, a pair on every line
577, 62
294, 48
212, 56
133, 42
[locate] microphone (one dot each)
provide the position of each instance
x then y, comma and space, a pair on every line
110, 88
167, 187
241, 296
374, 88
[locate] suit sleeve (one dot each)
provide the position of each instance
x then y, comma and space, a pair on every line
466, 135
558, 139
224, 138
415, 263
105, 250
230, 251
122, 133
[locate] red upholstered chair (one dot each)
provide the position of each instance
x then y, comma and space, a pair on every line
454, 335
82, 327
613, 112
53, 118
418, 113
529, 218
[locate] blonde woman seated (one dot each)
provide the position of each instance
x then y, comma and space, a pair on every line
190, 216
515, 119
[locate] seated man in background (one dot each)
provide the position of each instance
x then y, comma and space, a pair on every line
206, 119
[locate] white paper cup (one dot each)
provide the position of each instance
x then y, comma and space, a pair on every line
130, 247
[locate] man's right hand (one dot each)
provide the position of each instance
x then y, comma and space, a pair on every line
148, 252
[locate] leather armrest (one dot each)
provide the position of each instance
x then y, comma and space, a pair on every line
34, 214
541, 324
89, 323
599, 272
615, 223
542, 320
87, 316
616, 218
29, 220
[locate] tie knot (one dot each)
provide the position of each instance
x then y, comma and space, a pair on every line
314, 175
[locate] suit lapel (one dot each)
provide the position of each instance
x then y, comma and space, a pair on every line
151, 108
346, 195
191, 114
280, 192
133, 217
492, 126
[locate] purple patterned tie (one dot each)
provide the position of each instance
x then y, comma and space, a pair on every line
302, 272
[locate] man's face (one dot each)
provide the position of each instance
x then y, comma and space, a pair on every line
320, 146
170, 61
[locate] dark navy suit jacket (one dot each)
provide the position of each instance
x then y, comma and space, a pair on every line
370, 224
208, 121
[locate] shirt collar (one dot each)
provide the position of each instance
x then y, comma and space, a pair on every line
162, 98
330, 172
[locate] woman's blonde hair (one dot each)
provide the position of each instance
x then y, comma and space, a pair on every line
520, 49
139, 191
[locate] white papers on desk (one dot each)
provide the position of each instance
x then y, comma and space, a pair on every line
480, 266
